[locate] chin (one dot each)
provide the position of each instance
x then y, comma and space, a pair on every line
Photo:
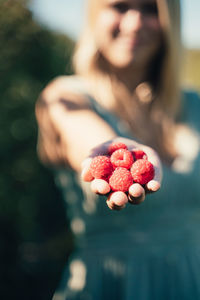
123, 63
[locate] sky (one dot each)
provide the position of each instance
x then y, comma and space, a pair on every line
66, 16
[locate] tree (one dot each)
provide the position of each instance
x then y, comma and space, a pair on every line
34, 243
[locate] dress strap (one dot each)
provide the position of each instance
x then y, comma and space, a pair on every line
78, 85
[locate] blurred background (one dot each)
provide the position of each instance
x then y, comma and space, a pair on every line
36, 42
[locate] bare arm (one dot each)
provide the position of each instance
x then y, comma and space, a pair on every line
68, 128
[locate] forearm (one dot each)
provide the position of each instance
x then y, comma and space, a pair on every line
80, 131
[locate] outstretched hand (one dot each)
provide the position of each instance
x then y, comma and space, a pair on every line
137, 192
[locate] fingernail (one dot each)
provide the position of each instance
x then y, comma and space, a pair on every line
100, 186
118, 198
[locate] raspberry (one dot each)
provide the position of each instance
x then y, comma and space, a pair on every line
122, 158
142, 171
101, 166
115, 146
120, 180
139, 154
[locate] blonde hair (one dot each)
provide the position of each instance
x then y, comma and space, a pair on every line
164, 106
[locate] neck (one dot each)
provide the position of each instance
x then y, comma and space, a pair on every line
130, 77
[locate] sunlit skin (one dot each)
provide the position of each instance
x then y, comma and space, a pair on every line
128, 32
128, 36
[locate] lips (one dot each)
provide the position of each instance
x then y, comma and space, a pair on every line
131, 43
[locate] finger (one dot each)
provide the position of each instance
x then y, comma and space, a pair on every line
136, 190
85, 174
100, 186
136, 194
86, 162
113, 206
117, 200
152, 186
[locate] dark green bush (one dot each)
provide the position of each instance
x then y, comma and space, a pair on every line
34, 235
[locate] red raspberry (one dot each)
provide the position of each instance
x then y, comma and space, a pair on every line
120, 180
115, 146
142, 171
139, 154
101, 166
122, 158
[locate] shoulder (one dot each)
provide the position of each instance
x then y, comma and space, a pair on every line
63, 88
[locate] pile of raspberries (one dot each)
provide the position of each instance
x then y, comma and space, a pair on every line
121, 167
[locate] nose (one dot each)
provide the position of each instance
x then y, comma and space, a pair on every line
132, 21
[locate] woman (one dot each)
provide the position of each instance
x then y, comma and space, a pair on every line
128, 87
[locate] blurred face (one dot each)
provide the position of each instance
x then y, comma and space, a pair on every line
128, 32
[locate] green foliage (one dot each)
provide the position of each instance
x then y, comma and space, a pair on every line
32, 216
